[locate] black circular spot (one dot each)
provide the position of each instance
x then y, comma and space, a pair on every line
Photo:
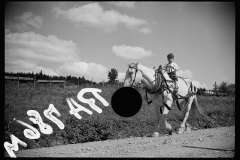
126, 101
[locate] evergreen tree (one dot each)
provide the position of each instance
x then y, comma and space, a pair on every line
40, 74
112, 75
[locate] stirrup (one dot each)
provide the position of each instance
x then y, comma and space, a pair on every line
175, 91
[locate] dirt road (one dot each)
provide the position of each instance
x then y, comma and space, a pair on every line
217, 142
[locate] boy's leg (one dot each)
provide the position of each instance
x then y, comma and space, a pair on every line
176, 86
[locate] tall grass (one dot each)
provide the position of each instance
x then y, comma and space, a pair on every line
96, 127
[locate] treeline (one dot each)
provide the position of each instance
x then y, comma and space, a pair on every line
201, 91
224, 87
42, 76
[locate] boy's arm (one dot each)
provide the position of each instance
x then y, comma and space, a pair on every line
164, 67
176, 67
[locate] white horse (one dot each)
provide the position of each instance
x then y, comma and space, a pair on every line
162, 85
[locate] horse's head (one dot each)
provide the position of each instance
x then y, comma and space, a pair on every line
132, 75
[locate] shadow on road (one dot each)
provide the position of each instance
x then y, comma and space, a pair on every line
217, 149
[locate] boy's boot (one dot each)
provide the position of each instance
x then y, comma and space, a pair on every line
175, 89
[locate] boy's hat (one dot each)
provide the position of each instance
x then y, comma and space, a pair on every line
170, 55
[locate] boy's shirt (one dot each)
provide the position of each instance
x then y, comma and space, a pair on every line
171, 67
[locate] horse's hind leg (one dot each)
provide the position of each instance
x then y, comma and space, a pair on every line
187, 110
194, 110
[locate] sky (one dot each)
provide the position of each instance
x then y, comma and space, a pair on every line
90, 38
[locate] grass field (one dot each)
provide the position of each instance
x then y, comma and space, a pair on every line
96, 127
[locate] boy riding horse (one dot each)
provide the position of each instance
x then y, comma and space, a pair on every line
171, 69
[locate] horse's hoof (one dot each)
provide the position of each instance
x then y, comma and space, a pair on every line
156, 134
188, 129
170, 132
194, 128
180, 131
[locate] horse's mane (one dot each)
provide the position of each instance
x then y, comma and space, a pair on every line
147, 69
150, 72
132, 64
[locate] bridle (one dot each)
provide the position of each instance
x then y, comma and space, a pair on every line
147, 89
160, 80
136, 70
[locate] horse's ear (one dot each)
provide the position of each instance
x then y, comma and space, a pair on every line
136, 64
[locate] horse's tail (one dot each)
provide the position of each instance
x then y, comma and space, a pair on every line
195, 108
197, 111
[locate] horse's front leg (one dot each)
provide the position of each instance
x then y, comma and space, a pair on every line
167, 98
157, 122
156, 103
167, 126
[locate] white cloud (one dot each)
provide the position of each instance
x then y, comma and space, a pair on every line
145, 30
46, 71
189, 74
16, 65
17, 27
121, 76
93, 15
25, 66
124, 4
88, 70
129, 52
30, 19
25, 23
7, 31
38, 48
28, 51
185, 74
